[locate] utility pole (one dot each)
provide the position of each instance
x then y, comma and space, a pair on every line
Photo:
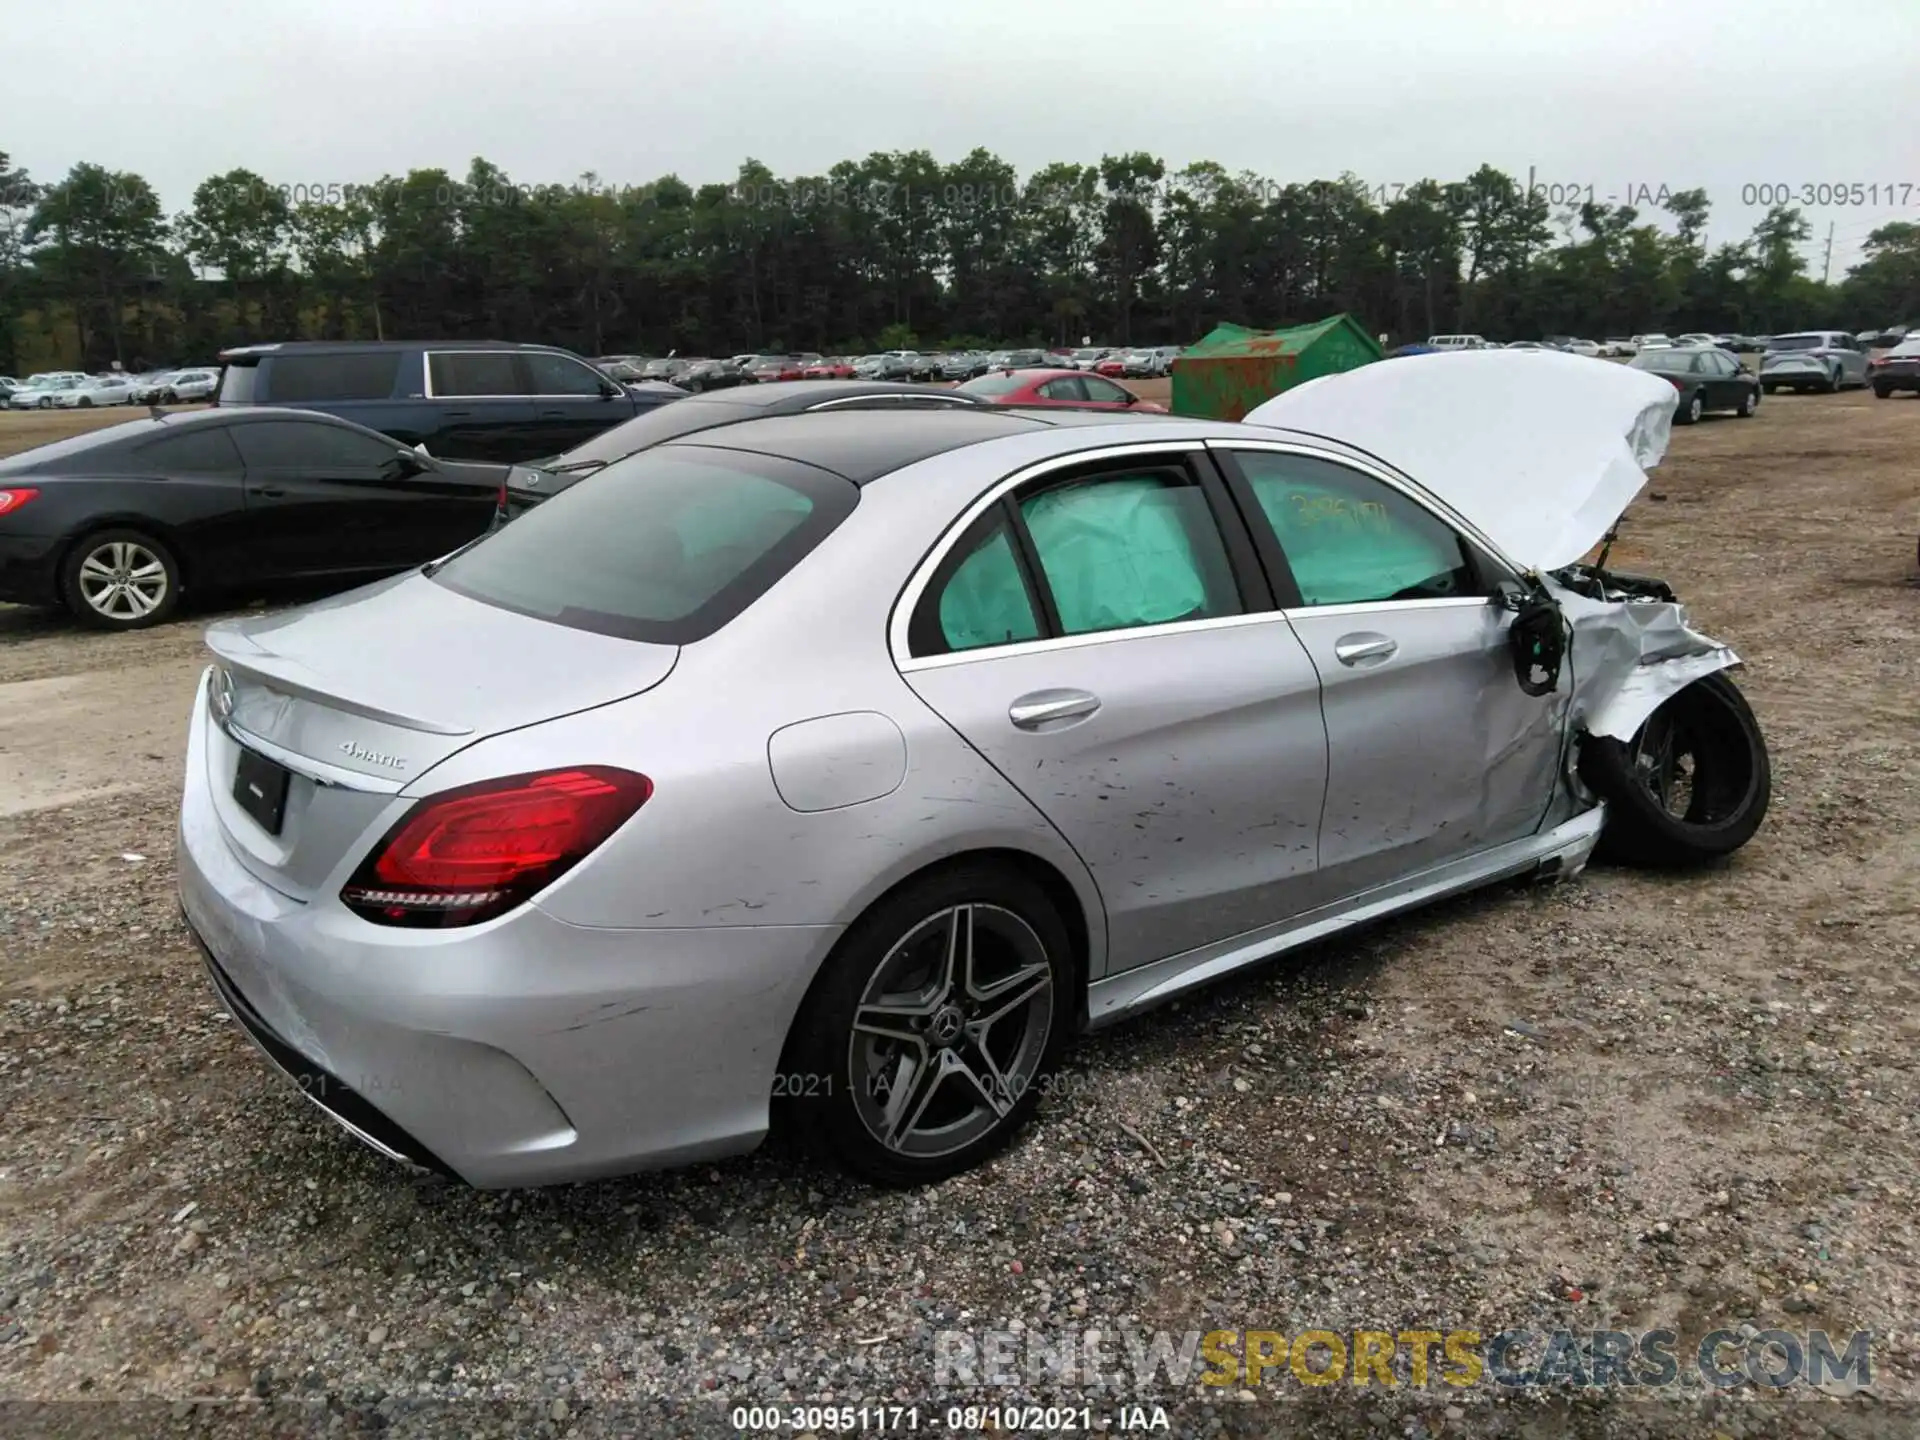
1826, 268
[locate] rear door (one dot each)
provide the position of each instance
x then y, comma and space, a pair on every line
1434, 751
1100, 633
1726, 380
481, 408
570, 401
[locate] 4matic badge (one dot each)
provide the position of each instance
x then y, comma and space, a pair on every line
354, 751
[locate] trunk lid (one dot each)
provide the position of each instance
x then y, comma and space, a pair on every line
360, 695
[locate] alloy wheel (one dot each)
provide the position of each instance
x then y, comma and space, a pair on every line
950, 1030
123, 580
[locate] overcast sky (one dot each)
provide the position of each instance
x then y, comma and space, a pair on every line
1612, 94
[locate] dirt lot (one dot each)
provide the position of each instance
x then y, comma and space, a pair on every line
1624, 1102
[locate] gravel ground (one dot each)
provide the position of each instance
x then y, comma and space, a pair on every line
1624, 1102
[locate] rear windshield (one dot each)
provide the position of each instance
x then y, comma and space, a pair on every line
993, 385
1797, 342
665, 546
664, 422
238, 381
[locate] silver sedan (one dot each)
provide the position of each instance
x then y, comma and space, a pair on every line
843, 765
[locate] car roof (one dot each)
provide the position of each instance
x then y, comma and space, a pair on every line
358, 347
139, 429
801, 393
863, 445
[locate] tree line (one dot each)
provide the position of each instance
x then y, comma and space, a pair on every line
894, 250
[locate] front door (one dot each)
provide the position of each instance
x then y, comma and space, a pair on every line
1434, 751
1091, 639
570, 401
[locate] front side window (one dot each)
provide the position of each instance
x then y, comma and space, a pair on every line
1351, 539
474, 373
1063, 390
1123, 550
1105, 391
311, 445
549, 374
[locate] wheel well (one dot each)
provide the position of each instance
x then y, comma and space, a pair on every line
141, 526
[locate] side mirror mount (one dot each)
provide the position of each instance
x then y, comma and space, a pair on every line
1132, 399
610, 390
413, 461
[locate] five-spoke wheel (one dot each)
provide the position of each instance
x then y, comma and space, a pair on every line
932, 1028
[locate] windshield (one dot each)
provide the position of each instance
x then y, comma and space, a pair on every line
1796, 342
992, 385
1906, 348
666, 546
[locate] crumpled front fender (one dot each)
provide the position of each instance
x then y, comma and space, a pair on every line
1628, 657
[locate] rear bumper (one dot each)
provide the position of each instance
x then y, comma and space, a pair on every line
29, 569
1903, 379
525, 1051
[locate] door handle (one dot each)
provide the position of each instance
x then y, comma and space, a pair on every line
553, 414
1363, 647
1042, 707
272, 492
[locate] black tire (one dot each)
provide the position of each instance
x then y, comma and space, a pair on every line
80, 588
1885, 392
86, 403
1749, 404
1729, 785
1832, 385
825, 1072
1691, 410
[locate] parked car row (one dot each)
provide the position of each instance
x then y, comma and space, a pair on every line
72, 390
114, 524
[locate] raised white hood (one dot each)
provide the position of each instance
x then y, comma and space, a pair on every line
1542, 451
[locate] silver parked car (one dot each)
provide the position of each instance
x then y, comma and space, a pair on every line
1826, 360
844, 764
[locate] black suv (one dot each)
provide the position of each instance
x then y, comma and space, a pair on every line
458, 399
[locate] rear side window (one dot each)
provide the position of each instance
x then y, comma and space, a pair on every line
298, 379
203, 451
1123, 550
664, 546
474, 373
982, 595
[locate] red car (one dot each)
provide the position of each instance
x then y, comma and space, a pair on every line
777, 367
1114, 365
1055, 387
837, 368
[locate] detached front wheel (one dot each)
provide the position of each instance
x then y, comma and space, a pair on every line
1691, 786
933, 1028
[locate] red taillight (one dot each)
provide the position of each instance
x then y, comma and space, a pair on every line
12, 500
469, 854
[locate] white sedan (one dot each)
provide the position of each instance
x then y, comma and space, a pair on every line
97, 390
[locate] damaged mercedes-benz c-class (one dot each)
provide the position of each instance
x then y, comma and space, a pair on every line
843, 765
